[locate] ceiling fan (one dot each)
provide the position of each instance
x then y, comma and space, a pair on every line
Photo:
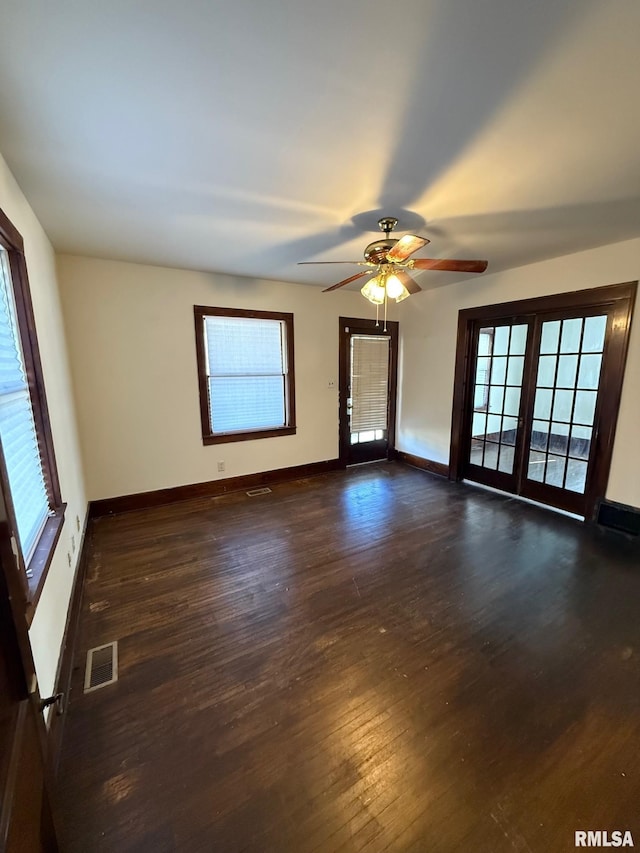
388, 261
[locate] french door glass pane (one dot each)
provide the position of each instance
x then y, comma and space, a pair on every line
567, 383
496, 398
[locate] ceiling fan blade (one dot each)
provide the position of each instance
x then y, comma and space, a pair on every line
410, 283
307, 263
347, 280
448, 264
406, 246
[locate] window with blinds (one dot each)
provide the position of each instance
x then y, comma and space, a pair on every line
17, 427
246, 372
369, 383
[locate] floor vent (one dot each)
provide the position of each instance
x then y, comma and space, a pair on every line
102, 667
254, 493
619, 517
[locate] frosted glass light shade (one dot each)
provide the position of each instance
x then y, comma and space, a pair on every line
373, 291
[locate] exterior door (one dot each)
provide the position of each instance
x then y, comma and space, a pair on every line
368, 371
26, 817
537, 395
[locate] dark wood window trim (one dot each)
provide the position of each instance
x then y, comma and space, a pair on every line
32, 576
622, 297
209, 437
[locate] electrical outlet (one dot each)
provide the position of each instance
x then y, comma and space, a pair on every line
220, 466
332, 383
73, 544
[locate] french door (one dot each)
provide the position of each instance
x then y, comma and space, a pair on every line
541, 392
368, 367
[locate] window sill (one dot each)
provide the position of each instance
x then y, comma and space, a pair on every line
224, 437
38, 567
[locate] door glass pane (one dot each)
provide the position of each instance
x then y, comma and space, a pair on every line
518, 340
546, 371
506, 459
585, 407
567, 367
509, 431
565, 402
562, 403
571, 333
554, 475
501, 340
491, 455
594, 331
497, 396
499, 370
542, 408
540, 435
550, 337
536, 466
576, 475
514, 372
511, 401
589, 375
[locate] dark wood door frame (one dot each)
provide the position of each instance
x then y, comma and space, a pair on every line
620, 299
368, 327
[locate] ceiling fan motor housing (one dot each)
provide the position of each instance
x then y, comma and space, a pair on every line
376, 253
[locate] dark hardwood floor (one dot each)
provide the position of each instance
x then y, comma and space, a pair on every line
371, 660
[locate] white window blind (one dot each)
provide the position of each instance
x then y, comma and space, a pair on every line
246, 372
17, 427
369, 382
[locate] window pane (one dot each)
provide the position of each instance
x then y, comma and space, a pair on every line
571, 331
589, 375
559, 438
511, 401
518, 340
542, 408
546, 371
491, 456
479, 424
514, 373
509, 430
477, 449
506, 459
501, 340
567, 367
485, 341
496, 399
246, 403
498, 370
540, 435
580, 444
585, 407
562, 403
555, 470
481, 397
594, 331
576, 476
550, 337
482, 370
535, 470
238, 346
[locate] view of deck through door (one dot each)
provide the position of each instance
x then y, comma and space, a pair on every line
368, 367
541, 389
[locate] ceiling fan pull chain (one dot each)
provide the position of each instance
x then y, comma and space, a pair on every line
377, 317
385, 309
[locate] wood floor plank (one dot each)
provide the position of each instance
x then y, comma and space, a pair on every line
370, 660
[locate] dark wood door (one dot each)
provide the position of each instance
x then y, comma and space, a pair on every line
368, 383
26, 816
541, 395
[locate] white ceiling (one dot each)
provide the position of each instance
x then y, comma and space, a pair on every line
245, 136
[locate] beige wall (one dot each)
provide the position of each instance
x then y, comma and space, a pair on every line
48, 625
132, 347
428, 341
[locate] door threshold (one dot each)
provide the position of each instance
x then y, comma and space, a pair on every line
366, 462
525, 500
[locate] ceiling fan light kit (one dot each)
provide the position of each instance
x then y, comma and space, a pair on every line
388, 261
